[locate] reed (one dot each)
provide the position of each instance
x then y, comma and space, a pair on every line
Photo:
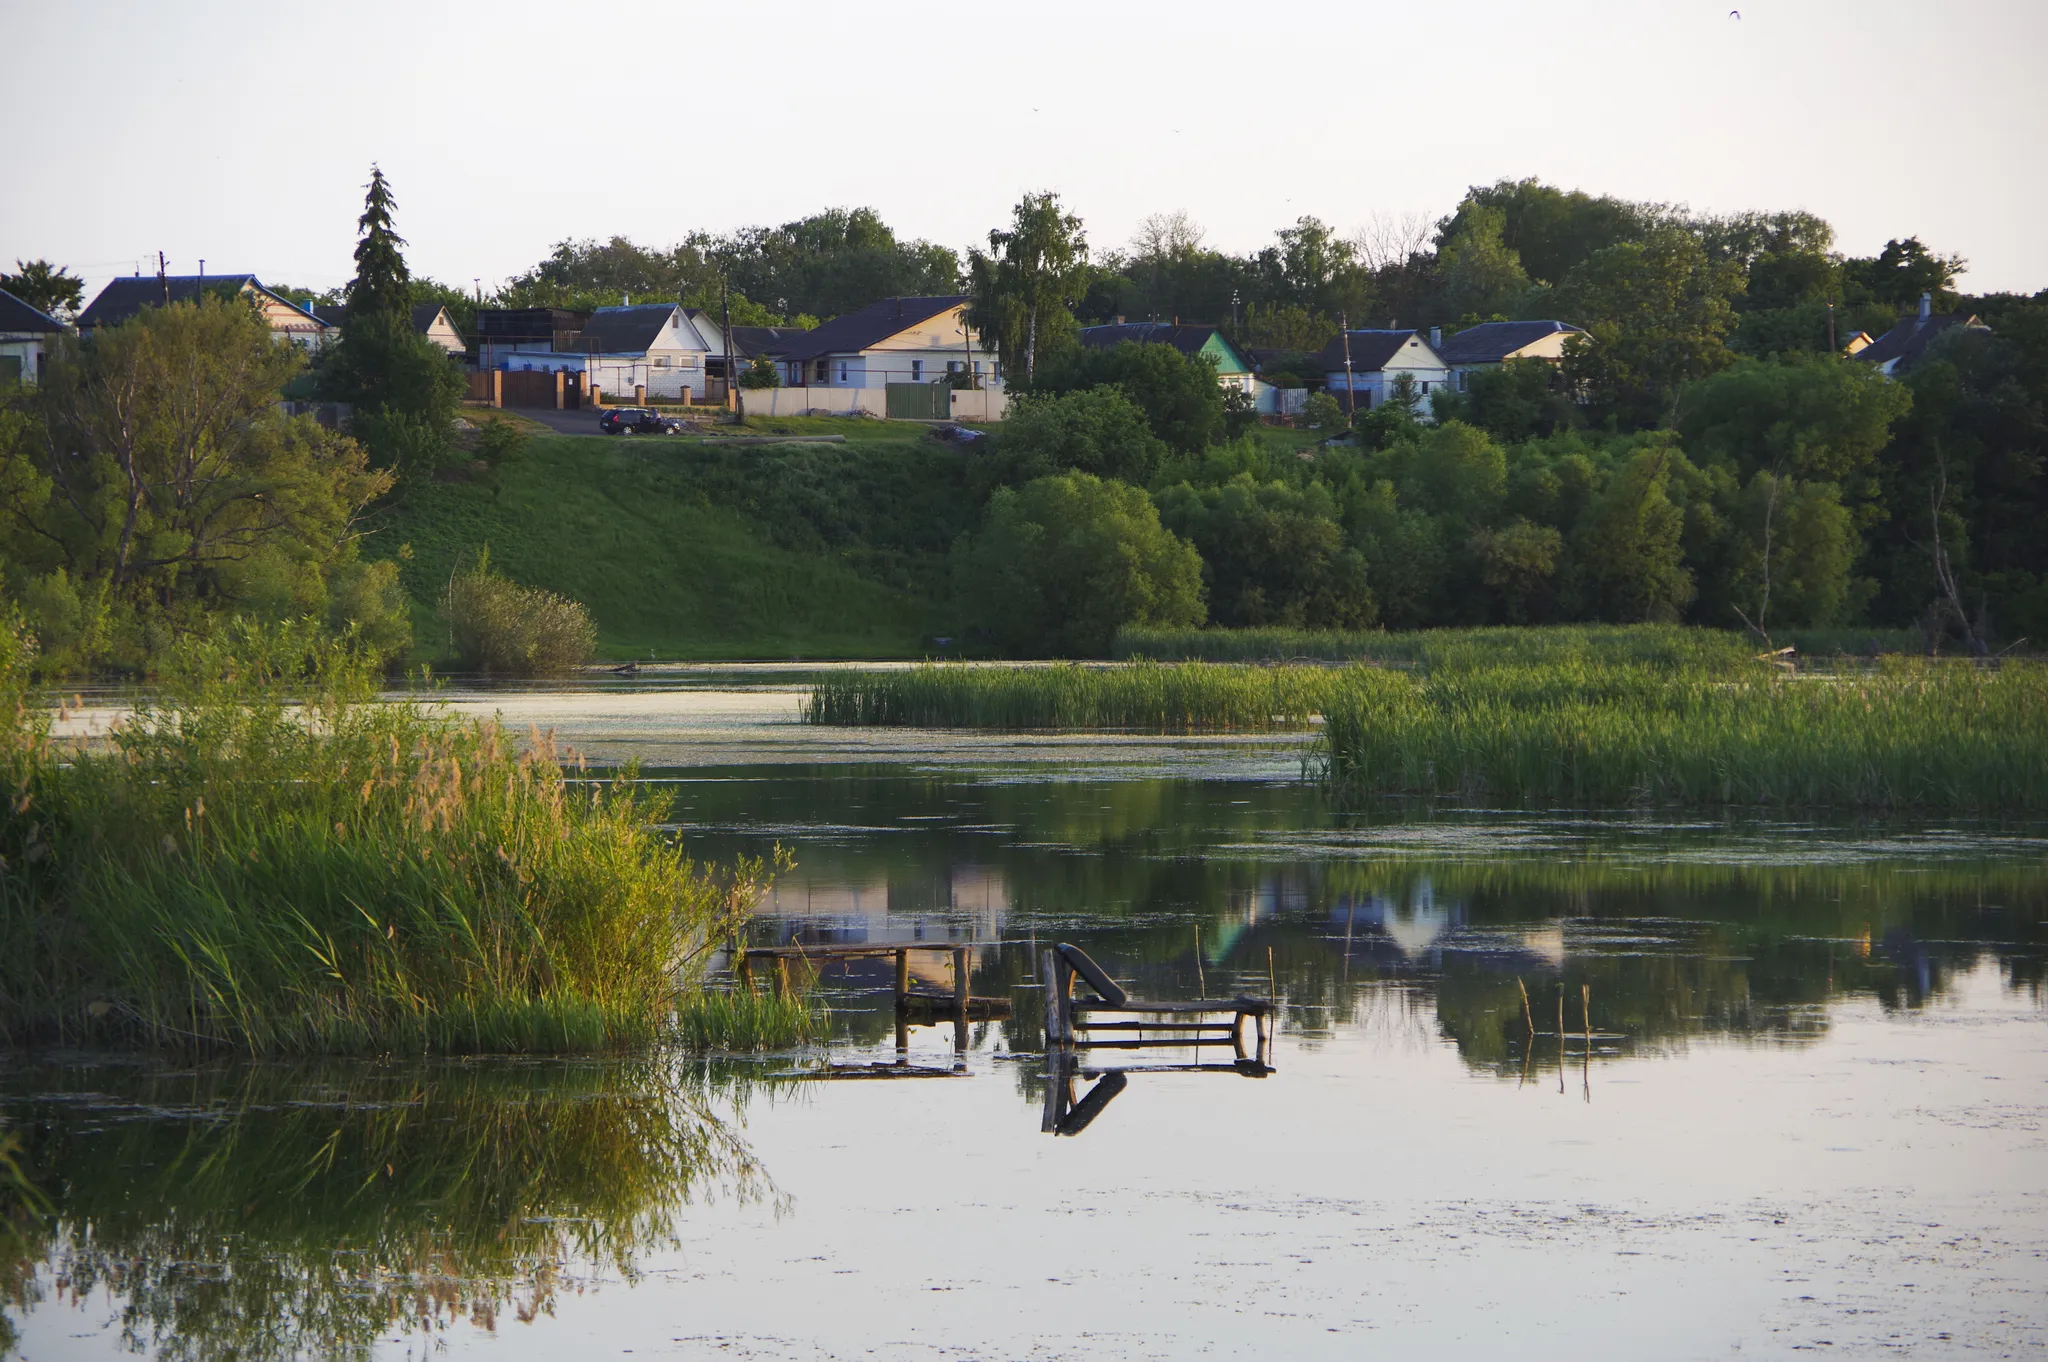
1144, 696
271, 858
1655, 644
715, 1020
1909, 734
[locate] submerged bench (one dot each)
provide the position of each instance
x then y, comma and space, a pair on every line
1073, 1022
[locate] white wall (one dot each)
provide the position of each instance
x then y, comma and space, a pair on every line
823, 401
29, 350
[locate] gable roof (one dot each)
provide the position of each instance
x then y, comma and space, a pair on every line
1906, 343
1189, 340
871, 325
17, 317
423, 314
123, 297
1370, 350
749, 341
627, 330
1493, 342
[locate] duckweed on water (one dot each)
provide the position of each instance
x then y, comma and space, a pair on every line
270, 858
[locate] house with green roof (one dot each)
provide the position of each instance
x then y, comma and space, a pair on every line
1233, 368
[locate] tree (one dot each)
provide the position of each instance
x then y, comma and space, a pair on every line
45, 287
1518, 400
1904, 270
382, 286
404, 388
1022, 289
1808, 417
150, 485
1062, 563
1093, 430
761, 373
1552, 231
1178, 393
1483, 276
1626, 550
1657, 314
1272, 554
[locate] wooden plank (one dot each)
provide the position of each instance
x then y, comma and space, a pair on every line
1251, 1007
1092, 1102
1156, 1026
1148, 1044
1053, 1033
1105, 987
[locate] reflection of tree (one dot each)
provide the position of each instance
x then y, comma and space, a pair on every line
278, 1212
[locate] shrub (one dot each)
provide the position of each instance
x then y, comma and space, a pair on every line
498, 440
762, 373
499, 627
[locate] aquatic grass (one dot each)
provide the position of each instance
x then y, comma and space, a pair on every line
1911, 734
1654, 644
716, 1019
1148, 697
271, 858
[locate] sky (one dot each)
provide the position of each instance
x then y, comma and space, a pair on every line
242, 134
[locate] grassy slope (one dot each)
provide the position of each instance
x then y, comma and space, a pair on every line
618, 525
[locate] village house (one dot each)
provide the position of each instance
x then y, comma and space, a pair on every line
1363, 368
1905, 345
1489, 345
1234, 371
853, 362
124, 297
428, 319
652, 350
25, 337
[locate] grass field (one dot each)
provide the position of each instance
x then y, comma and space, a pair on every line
678, 549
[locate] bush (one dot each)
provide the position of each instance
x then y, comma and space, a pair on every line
1064, 562
499, 627
1177, 393
1098, 431
498, 440
762, 373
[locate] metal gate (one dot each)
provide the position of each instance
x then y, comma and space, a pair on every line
920, 401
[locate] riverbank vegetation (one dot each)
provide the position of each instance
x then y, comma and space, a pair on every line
268, 857
1145, 697
1911, 734
1648, 643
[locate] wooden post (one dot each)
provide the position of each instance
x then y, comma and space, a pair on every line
560, 388
747, 972
497, 388
1055, 1034
959, 997
639, 394
902, 978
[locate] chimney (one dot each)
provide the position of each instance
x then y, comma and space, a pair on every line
625, 300
1119, 319
1176, 321
1926, 306
1436, 338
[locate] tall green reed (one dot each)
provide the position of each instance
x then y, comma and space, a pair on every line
1145, 696
270, 857
1910, 734
1659, 644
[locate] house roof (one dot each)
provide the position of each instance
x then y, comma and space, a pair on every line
870, 326
17, 317
124, 297
423, 314
1189, 340
1493, 342
627, 330
1905, 344
1370, 350
749, 341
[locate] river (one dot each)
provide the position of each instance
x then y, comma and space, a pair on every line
1798, 1105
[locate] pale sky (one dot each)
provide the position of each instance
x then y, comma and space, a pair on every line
243, 133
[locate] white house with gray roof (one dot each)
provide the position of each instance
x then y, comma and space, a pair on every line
1489, 345
26, 334
658, 348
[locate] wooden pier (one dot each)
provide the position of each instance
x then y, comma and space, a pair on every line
912, 1004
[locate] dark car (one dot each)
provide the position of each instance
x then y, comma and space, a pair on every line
637, 421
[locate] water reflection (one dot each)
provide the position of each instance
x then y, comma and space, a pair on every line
281, 1211
1194, 889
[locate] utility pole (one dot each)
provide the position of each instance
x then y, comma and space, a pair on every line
1832, 349
1350, 397
732, 384
163, 277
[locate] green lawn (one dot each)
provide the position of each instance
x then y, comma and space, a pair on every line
668, 567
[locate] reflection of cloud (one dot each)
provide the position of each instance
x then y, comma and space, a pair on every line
1415, 926
1545, 943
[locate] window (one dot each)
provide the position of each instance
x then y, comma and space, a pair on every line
842, 371
821, 371
952, 366
917, 371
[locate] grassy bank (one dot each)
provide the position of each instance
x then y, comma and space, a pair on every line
1946, 736
687, 550
1659, 644
268, 858
1149, 697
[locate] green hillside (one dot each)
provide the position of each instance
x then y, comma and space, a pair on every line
687, 551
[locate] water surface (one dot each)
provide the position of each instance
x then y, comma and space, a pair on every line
1798, 1106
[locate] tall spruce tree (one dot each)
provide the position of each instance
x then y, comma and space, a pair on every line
383, 285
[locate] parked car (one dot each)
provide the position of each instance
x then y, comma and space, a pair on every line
638, 421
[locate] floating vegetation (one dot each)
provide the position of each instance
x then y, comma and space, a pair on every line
1910, 734
1148, 697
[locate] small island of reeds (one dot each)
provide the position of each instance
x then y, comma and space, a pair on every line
1580, 717
268, 857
